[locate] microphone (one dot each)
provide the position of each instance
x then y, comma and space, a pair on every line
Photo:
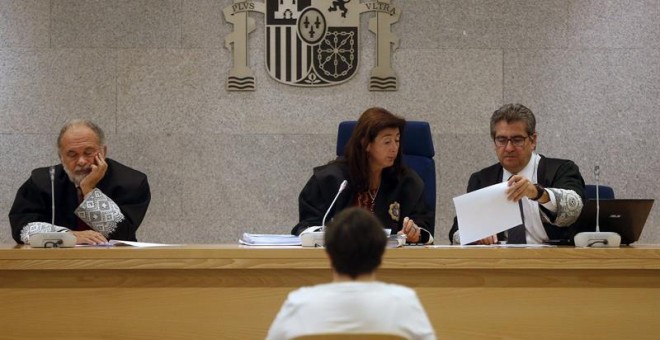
342, 186
314, 236
52, 239
597, 175
52, 196
597, 239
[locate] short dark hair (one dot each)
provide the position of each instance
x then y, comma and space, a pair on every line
84, 122
371, 122
513, 113
355, 241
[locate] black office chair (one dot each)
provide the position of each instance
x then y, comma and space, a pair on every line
417, 150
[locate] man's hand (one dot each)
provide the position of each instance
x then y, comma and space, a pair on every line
412, 231
520, 187
89, 237
99, 167
488, 240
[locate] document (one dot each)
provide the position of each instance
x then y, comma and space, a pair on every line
270, 240
497, 245
485, 212
119, 243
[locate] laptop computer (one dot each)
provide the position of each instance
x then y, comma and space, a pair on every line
625, 217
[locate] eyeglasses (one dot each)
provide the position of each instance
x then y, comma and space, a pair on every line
517, 141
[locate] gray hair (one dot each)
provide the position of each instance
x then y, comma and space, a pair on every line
84, 122
513, 113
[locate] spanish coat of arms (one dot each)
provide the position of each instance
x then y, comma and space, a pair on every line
312, 43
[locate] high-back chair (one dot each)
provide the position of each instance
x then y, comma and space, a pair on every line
417, 152
604, 192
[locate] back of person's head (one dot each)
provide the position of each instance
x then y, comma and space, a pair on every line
371, 122
513, 113
355, 241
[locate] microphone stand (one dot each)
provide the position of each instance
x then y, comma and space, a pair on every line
315, 236
52, 239
597, 239
52, 196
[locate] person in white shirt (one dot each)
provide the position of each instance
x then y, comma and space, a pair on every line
354, 302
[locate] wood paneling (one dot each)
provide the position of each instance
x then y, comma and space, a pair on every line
211, 292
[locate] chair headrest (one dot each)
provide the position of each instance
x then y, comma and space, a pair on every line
604, 191
417, 141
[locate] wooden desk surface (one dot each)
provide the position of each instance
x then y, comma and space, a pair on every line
234, 292
243, 257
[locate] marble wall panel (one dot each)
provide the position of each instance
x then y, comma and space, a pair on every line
166, 90
614, 24
42, 88
452, 89
116, 24
24, 23
170, 90
466, 24
589, 98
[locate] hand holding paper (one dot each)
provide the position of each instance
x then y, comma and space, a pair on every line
485, 212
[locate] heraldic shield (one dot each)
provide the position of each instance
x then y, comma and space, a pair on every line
312, 42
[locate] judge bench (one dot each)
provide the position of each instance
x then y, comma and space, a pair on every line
234, 292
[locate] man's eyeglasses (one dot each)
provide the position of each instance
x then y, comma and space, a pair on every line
516, 141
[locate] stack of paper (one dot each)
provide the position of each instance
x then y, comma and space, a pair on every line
269, 240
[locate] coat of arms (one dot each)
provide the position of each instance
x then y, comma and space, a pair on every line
312, 43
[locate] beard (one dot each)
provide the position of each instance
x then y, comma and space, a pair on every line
77, 174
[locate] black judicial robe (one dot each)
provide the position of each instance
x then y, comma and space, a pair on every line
407, 191
552, 173
127, 187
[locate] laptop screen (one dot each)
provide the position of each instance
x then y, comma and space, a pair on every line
625, 217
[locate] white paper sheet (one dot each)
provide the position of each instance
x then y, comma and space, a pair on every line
485, 212
119, 243
496, 245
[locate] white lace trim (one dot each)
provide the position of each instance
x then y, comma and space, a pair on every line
39, 227
100, 212
569, 207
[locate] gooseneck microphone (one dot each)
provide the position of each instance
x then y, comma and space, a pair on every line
596, 175
597, 239
314, 236
52, 196
342, 186
52, 239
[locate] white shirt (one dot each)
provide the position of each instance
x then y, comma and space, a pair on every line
356, 307
534, 231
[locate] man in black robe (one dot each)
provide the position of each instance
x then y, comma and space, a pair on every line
96, 198
550, 191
